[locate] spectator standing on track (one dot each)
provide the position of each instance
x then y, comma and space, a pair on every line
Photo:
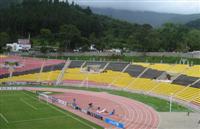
188, 113
90, 106
113, 112
98, 109
198, 123
74, 103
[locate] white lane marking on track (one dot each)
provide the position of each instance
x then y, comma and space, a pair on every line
129, 119
135, 109
4, 118
30, 105
145, 117
149, 118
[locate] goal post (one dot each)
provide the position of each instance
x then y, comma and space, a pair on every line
43, 97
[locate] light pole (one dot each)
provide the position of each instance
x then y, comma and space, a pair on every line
170, 102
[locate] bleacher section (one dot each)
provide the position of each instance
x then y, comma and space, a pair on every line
161, 67
35, 77
166, 89
2, 56
171, 68
135, 70
143, 84
188, 94
33, 70
101, 64
193, 71
196, 85
197, 100
53, 67
114, 75
116, 66
76, 64
29, 65
152, 74
184, 80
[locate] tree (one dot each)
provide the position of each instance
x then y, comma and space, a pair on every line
70, 26
45, 39
88, 11
85, 44
4, 38
172, 36
194, 24
46, 35
69, 36
144, 39
192, 39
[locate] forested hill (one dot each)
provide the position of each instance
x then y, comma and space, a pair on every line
51, 22
146, 17
194, 24
68, 26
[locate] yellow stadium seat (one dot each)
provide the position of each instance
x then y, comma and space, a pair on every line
123, 80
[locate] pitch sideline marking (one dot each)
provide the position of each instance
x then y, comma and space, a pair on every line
59, 110
21, 121
29, 95
4, 118
33, 107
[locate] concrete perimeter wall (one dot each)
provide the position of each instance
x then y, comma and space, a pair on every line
166, 54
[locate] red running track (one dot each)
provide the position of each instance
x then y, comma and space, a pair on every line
133, 114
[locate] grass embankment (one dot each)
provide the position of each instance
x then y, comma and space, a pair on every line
149, 59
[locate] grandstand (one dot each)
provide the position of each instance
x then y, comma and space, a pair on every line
177, 80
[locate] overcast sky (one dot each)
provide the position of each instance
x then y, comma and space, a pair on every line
169, 6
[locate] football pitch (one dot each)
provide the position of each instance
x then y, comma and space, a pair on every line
23, 110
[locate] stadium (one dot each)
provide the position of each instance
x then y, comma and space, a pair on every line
38, 93
99, 64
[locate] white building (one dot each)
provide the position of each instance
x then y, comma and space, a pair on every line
14, 47
92, 47
21, 45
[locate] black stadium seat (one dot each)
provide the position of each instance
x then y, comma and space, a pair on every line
151, 73
76, 64
185, 80
135, 70
197, 85
116, 66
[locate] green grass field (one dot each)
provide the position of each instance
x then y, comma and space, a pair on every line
23, 110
